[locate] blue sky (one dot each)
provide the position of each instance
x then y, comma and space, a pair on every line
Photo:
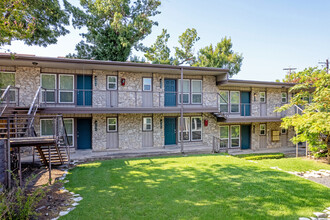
271, 34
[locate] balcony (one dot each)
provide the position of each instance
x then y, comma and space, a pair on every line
121, 101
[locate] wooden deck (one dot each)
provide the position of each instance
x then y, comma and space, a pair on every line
32, 141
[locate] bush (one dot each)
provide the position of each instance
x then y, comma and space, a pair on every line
20, 202
261, 156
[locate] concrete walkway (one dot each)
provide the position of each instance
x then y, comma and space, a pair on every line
89, 155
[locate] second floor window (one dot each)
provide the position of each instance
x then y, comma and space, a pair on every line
234, 101
66, 88
262, 97
196, 91
224, 99
8, 79
186, 91
112, 82
284, 97
147, 84
48, 82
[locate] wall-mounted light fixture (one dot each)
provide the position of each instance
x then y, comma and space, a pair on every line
253, 129
255, 97
95, 125
95, 81
161, 123
161, 83
34, 63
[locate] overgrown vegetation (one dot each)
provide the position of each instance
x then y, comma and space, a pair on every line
261, 156
20, 202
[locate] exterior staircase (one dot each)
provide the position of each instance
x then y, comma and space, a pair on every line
17, 127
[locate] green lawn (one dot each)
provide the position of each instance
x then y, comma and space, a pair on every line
194, 187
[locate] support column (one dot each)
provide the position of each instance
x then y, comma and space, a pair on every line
181, 112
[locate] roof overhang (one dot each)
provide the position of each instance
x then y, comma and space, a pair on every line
66, 63
251, 83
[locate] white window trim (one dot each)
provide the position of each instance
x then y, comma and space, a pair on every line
264, 97
115, 83
145, 129
65, 90
239, 136
262, 129
286, 97
147, 90
71, 119
50, 90
228, 103
41, 126
115, 125
239, 102
196, 93
191, 129
185, 93
10, 101
228, 141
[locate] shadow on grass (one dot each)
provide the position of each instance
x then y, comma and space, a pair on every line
206, 187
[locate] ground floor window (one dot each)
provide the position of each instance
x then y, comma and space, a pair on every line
196, 128
147, 124
69, 127
186, 128
112, 124
46, 127
230, 136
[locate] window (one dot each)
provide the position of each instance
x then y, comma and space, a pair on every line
112, 124
112, 82
7, 79
284, 97
234, 135
66, 88
262, 97
46, 127
68, 124
186, 91
224, 98
196, 128
147, 84
224, 136
283, 131
186, 129
147, 124
48, 82
262, 129
234, 101
196, 91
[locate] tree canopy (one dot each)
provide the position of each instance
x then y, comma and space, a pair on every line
36, 22
221, 56
113, 27
313, 124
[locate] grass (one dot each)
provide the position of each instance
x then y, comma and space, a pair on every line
261, 156
194, 187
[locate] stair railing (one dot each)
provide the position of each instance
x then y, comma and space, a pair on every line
217, 147
62, 133
33, 110
5, 98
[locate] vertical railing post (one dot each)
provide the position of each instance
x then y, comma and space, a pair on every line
181, 111
49, 165
135, 94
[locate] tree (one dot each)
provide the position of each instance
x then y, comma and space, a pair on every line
36, 22
113, 27
221, 56
313, 125
185, 53
159, 51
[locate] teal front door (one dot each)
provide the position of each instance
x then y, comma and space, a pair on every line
84, 133
170, 131
170, 92
245, 104
245, 136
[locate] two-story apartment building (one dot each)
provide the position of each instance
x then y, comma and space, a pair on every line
122, 105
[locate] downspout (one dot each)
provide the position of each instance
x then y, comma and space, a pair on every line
181, 111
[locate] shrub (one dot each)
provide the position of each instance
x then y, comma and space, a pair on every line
261, 156
20, 202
